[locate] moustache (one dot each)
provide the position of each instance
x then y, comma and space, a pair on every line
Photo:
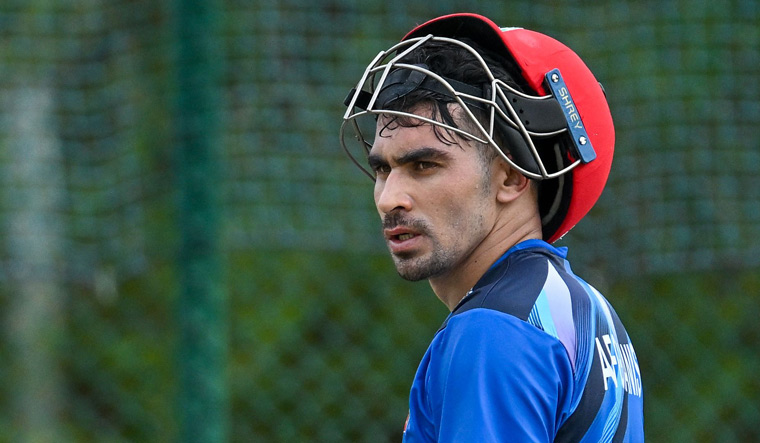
394, 219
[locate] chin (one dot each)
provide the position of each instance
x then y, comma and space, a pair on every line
416, 270
411, 276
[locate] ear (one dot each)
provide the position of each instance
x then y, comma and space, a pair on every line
511, 184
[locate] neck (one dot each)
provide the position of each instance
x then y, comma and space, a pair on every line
451, 288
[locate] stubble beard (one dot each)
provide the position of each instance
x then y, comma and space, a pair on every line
442, 259
413, 267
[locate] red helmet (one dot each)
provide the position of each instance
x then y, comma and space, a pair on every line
560, 131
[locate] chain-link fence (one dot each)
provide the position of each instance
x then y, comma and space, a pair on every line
184, 245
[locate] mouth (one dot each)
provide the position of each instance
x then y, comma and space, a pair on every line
399, 233
402, 240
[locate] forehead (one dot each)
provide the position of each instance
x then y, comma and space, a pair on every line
393, 142
406, 133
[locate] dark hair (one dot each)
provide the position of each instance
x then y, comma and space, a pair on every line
457, 63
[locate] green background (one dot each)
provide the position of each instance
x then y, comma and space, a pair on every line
187, 255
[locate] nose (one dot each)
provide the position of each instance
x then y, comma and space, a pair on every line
393, 193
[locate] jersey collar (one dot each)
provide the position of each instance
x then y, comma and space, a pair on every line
523, 245
532, 244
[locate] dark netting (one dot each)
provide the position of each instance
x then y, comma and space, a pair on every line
119, 278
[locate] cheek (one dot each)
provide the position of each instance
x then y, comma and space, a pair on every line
466, 211
450, 209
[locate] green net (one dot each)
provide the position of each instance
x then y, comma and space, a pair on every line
106, 241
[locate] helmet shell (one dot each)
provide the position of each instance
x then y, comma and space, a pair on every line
536, 54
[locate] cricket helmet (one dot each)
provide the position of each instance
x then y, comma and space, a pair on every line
552, 123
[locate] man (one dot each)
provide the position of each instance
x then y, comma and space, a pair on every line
486, 145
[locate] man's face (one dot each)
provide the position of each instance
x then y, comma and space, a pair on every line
435, 199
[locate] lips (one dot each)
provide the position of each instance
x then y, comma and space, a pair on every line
402, 239
399, 233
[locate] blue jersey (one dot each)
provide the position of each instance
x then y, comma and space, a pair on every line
531, 354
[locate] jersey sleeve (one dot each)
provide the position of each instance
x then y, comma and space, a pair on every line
492, 377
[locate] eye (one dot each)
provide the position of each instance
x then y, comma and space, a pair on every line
423, 165
381, 169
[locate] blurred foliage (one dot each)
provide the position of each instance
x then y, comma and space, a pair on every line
317, 336
697, 339
324, 338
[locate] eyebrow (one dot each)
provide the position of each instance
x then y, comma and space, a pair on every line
415, 155
426, 153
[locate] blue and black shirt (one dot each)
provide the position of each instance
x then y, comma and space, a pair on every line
531, 354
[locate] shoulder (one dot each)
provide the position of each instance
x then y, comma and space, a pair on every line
488, 336
514, 284
488, 370
535, 286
